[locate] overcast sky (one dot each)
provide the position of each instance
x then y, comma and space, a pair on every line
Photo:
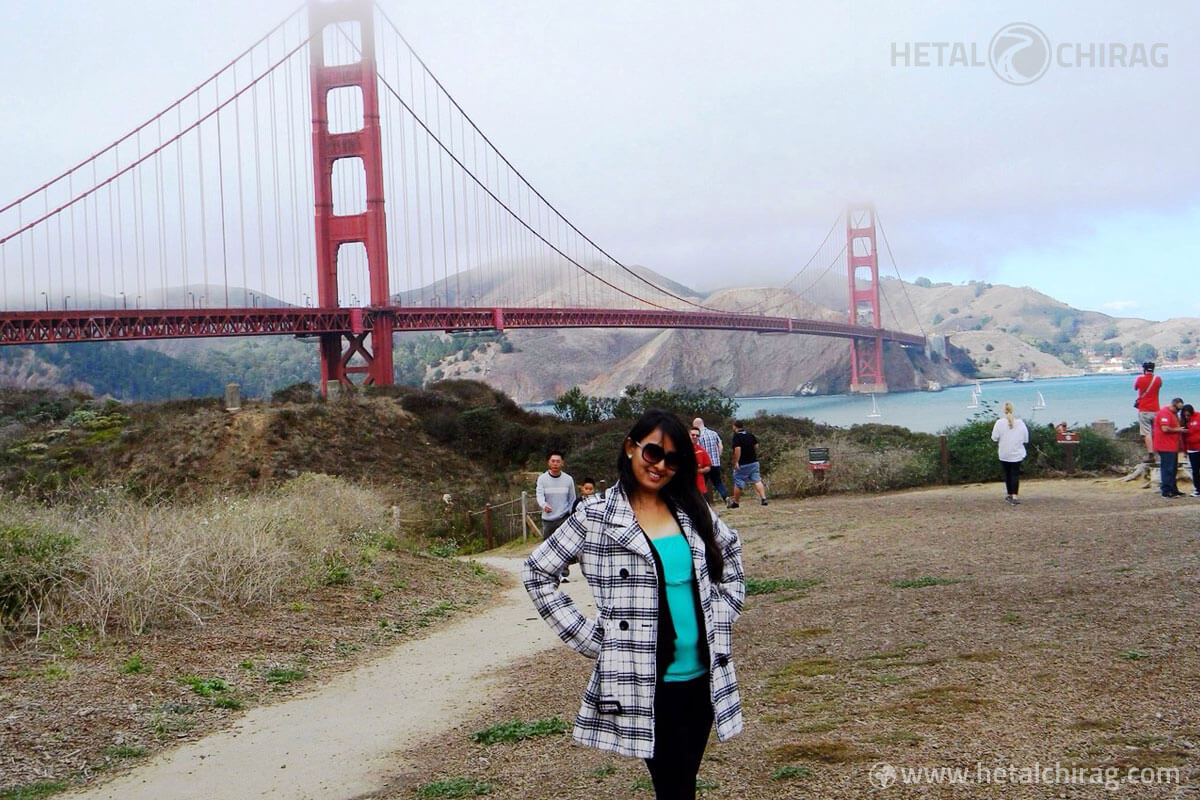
715, 142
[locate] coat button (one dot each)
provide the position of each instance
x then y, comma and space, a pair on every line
624, 572
624, 625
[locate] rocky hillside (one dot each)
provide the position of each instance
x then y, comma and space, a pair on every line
1004, 327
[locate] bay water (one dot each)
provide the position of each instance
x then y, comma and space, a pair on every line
1076, 401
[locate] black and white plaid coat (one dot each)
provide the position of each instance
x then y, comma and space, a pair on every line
617, 712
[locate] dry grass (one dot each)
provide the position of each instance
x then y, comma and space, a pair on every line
138, 566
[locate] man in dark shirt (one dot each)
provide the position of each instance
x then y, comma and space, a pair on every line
745, 464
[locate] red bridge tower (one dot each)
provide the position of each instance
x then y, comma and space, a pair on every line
866, 354
368, 228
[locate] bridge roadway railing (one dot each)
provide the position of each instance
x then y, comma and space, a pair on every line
49, 327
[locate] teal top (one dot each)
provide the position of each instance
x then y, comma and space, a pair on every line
676, 557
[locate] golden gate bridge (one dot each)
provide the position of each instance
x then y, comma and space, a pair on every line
200, 223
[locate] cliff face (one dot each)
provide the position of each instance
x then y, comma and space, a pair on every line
604, 362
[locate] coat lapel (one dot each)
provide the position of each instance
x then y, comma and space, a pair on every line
621, 526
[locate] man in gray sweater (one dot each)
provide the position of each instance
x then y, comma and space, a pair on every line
555, 494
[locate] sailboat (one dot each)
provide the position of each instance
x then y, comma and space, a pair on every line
974, 400
874, 409
978, 388
1040, 404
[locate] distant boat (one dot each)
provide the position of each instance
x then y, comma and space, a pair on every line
978, 388
874, 409
1040, 404
1023, 375
808, 389
933, 386
974, 400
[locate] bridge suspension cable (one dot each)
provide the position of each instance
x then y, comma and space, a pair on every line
819, 292
170, 215
539, 229
903, 288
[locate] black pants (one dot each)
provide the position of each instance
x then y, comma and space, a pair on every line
1012, 476
683, 717
1194, 460
714, 477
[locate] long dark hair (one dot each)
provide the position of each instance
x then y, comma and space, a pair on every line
680, 492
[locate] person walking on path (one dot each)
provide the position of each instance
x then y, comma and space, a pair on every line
666, 574
745, 464
1190, 421
1147, 386
710, 440
556, 496
1166, 444
1011, 435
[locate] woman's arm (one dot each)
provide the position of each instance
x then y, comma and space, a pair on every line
731, 589
540, 574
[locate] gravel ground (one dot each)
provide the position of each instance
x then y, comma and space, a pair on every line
940, 628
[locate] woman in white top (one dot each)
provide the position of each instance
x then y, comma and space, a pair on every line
1011, 435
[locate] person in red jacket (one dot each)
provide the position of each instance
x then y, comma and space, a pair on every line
1166, 444
1191, 443
1147, 386
703, 463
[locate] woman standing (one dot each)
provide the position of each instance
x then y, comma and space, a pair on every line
667, 577
1011, 435
1191, 443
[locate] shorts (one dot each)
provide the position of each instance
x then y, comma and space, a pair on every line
1146, 422
745, 474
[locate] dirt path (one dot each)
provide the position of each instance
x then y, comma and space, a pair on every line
341, 740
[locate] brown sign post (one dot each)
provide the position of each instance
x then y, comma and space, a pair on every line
1069, 440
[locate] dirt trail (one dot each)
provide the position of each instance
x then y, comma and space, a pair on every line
342, 739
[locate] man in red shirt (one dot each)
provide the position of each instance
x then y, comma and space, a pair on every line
1166, 444
1147, 386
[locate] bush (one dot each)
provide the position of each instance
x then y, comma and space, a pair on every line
296, 393
34, 562
973, 456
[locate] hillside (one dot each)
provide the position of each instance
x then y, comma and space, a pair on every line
1024, 326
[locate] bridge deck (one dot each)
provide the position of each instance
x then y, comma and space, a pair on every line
46, 327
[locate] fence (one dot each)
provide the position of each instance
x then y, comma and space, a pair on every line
506, 522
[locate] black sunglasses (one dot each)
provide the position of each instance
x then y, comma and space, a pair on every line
652, 453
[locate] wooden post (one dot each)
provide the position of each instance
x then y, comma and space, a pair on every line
487, 525
945, 453
524, 516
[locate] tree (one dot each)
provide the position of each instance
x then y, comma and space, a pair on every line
574, 406
1141, 352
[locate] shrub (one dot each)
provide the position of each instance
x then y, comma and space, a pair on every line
296, 393
35, 561
973, 456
